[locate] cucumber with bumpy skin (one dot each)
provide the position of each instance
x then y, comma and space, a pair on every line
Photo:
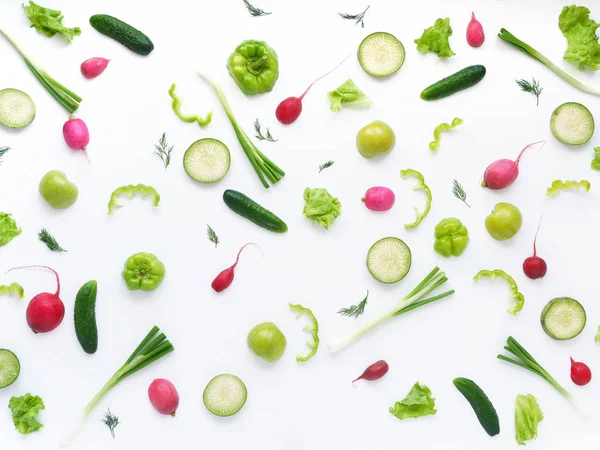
481, 404
122, 32
248, 208
85, 317
463, 79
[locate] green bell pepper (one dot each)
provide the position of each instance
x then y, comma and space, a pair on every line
451, 237
254, 67
143, 271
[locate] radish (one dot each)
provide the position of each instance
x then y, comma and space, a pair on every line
164, 396
45, 311
225, 278
76, 134
289, 109
379, 198
534, 266
502, 173
93, 67
374, 372
475, 35
580, 373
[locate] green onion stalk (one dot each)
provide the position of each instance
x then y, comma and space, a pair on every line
412, 301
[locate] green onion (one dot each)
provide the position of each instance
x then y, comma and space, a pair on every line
412, 301
262, 165
154, 346
511, 39
68, 99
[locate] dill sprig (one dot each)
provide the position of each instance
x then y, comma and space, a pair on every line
358, 18
533, 87
163, 151
111, 421
254, 11
49, 240
326, 165
355, 310
459, 192
212, 236
3, 150
259, 134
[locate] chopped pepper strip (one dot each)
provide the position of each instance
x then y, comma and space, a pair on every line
437, 131
312, 328
12, 288
597, 337
514, 289
130, 191
420, 185
189, 119
559, 185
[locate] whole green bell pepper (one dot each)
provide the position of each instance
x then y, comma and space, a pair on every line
451, 237
143, 271
254, 67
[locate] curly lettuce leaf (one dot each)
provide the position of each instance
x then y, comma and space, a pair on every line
347, 94
8, 229
582, 41
49, 21
559, 186
437, 131
24, 412
596, 161
435, 39
417, 403
527, 417
321, 207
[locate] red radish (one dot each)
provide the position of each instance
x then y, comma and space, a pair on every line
93, 67
475, 35
379, 198
534, 266
163, 396
289, 109
580, 373
76, 134
225, 278
502, 173
374, 372
45, 311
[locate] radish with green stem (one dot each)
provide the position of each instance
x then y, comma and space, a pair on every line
535, 267
502, 173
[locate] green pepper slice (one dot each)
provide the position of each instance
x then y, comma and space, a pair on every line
451, 237
12, 288
202, 121
559, 186
254, 67
311, 328
143, 271
131, 191
514, 289
420, 185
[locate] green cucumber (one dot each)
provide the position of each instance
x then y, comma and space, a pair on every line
563, 318
249, 209
225, 395
17, 110
123, 33
10, 367
463, 79
85, 317
572, 123
389, 260
481, 404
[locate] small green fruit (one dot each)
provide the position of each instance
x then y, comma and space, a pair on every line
57, 190
267, 341
375, 139
504, 222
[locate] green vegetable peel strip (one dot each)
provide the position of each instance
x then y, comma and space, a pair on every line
188, 119
131, 190
437, 131
514, 289
12, 288
559, 186
312, 328
420, 185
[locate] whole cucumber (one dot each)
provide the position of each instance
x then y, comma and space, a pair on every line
463, 79
85, 317
248, 208
130, 37
481, 404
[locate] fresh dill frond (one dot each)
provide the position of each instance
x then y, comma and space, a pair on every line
532, 87
254, 11
163, 151
358, 18
212, 236
3, 150
111, 421
49, 240
326, 165
459, 192
355, 310
259, 134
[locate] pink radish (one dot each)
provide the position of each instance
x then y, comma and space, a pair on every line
76, 134
580, 373
475, 35
93, 67
289, 109
164, 396
225, 278
374, 372
379, 198
534, 266
45, 311
502, 173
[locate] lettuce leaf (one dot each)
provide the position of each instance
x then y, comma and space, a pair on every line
435, 39
582, 41
347, 94
24, 412
596, 161
321, 207
527, 417
8, 229
49, 21
417, 403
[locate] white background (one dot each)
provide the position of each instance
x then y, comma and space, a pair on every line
291, 405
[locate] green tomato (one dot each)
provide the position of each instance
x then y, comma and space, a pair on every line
57, 190
504, 221
267, 341
375, 139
